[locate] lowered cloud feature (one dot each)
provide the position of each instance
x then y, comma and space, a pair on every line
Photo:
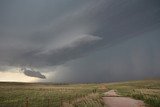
32, 73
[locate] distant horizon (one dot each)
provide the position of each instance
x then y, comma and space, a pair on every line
65, 83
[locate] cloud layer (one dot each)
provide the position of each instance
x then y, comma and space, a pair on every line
48, 34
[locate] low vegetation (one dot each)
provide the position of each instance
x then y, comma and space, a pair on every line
147, 91
75, 95
49, 95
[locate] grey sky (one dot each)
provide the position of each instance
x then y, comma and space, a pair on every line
71, 37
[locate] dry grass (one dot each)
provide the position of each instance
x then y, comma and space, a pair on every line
148, 90
75, 95
14, 94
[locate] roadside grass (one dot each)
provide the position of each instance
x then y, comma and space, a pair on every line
147, 91
92, 100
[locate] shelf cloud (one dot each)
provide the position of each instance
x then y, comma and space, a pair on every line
50, 35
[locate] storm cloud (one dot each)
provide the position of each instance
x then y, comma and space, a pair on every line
32, 73
51, 35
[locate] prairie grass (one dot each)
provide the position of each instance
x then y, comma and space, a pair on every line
44, 95
147, 91
75, 95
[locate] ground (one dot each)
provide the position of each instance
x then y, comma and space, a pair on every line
77, 95
112, 99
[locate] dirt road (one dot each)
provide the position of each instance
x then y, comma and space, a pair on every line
112, 99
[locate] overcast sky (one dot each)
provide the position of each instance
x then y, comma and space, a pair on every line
80, 40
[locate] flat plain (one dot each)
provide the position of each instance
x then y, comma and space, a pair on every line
75, 95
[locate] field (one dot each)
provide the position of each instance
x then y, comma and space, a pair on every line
75, 95
147, 91
49, 95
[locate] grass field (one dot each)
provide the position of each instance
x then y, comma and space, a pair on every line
75, 95
44, 95
148, 91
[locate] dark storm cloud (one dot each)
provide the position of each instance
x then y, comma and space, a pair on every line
137, 58
48, 33
32, 73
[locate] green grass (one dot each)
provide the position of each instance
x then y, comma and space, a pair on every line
92, 100
75, 95
148, 90
14, 94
